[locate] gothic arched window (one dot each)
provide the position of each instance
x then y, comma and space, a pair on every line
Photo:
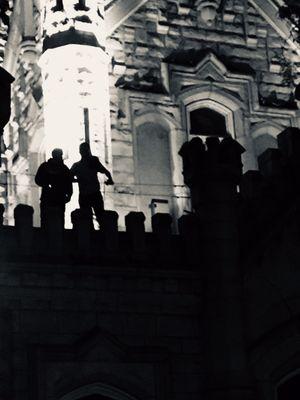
207, 122
153, 152
264, 142
153, 169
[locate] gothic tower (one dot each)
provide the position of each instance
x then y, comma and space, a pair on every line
75, 78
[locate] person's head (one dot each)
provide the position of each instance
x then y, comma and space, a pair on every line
84, 149
57, 155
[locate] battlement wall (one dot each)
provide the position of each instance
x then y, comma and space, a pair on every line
238, 210
23, 242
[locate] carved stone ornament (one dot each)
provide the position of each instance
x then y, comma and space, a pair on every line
208, 10
29, 50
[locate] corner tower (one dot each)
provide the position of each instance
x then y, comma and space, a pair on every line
75, 77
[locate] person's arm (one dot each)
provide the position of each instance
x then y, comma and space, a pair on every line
73, 173
105, 171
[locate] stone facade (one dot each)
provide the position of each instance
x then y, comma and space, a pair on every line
203, 307
76, 326
165, 62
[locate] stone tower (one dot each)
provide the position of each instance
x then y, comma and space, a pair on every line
75, 78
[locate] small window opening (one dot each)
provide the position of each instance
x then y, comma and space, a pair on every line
207, 122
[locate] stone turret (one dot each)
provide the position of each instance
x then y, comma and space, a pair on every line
213, 172
75, 78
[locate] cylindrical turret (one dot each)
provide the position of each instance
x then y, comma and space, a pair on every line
213, 173
75, 78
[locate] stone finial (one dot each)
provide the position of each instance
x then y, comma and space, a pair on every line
193, 154
208, 10
23, 215
135, 227
53, 227
82, 221
219, 159
231, 152
289, 142
161, 222
109, 227
161, 227
189, 230
212, 173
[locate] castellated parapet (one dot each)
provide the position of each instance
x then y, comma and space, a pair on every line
227, 206
73, 22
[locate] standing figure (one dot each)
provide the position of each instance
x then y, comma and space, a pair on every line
86, 171
56, 181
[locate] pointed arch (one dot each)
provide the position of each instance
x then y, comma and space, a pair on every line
269, 127
264, 135
98, 388
220, 101
152, 113
159, 130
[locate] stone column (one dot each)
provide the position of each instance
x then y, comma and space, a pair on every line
213, 174
75, 74
28, 44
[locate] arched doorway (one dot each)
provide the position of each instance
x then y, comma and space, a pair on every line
289, 389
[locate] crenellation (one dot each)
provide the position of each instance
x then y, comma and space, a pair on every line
270, 163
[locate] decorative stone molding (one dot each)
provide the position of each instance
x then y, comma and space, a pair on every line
211, 75
29, 50
207, 11
71, 22
97, 389
229, 91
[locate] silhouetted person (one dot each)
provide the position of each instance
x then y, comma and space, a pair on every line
86, 171
56, 181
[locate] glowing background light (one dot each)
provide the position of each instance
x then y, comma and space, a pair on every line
75, 78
